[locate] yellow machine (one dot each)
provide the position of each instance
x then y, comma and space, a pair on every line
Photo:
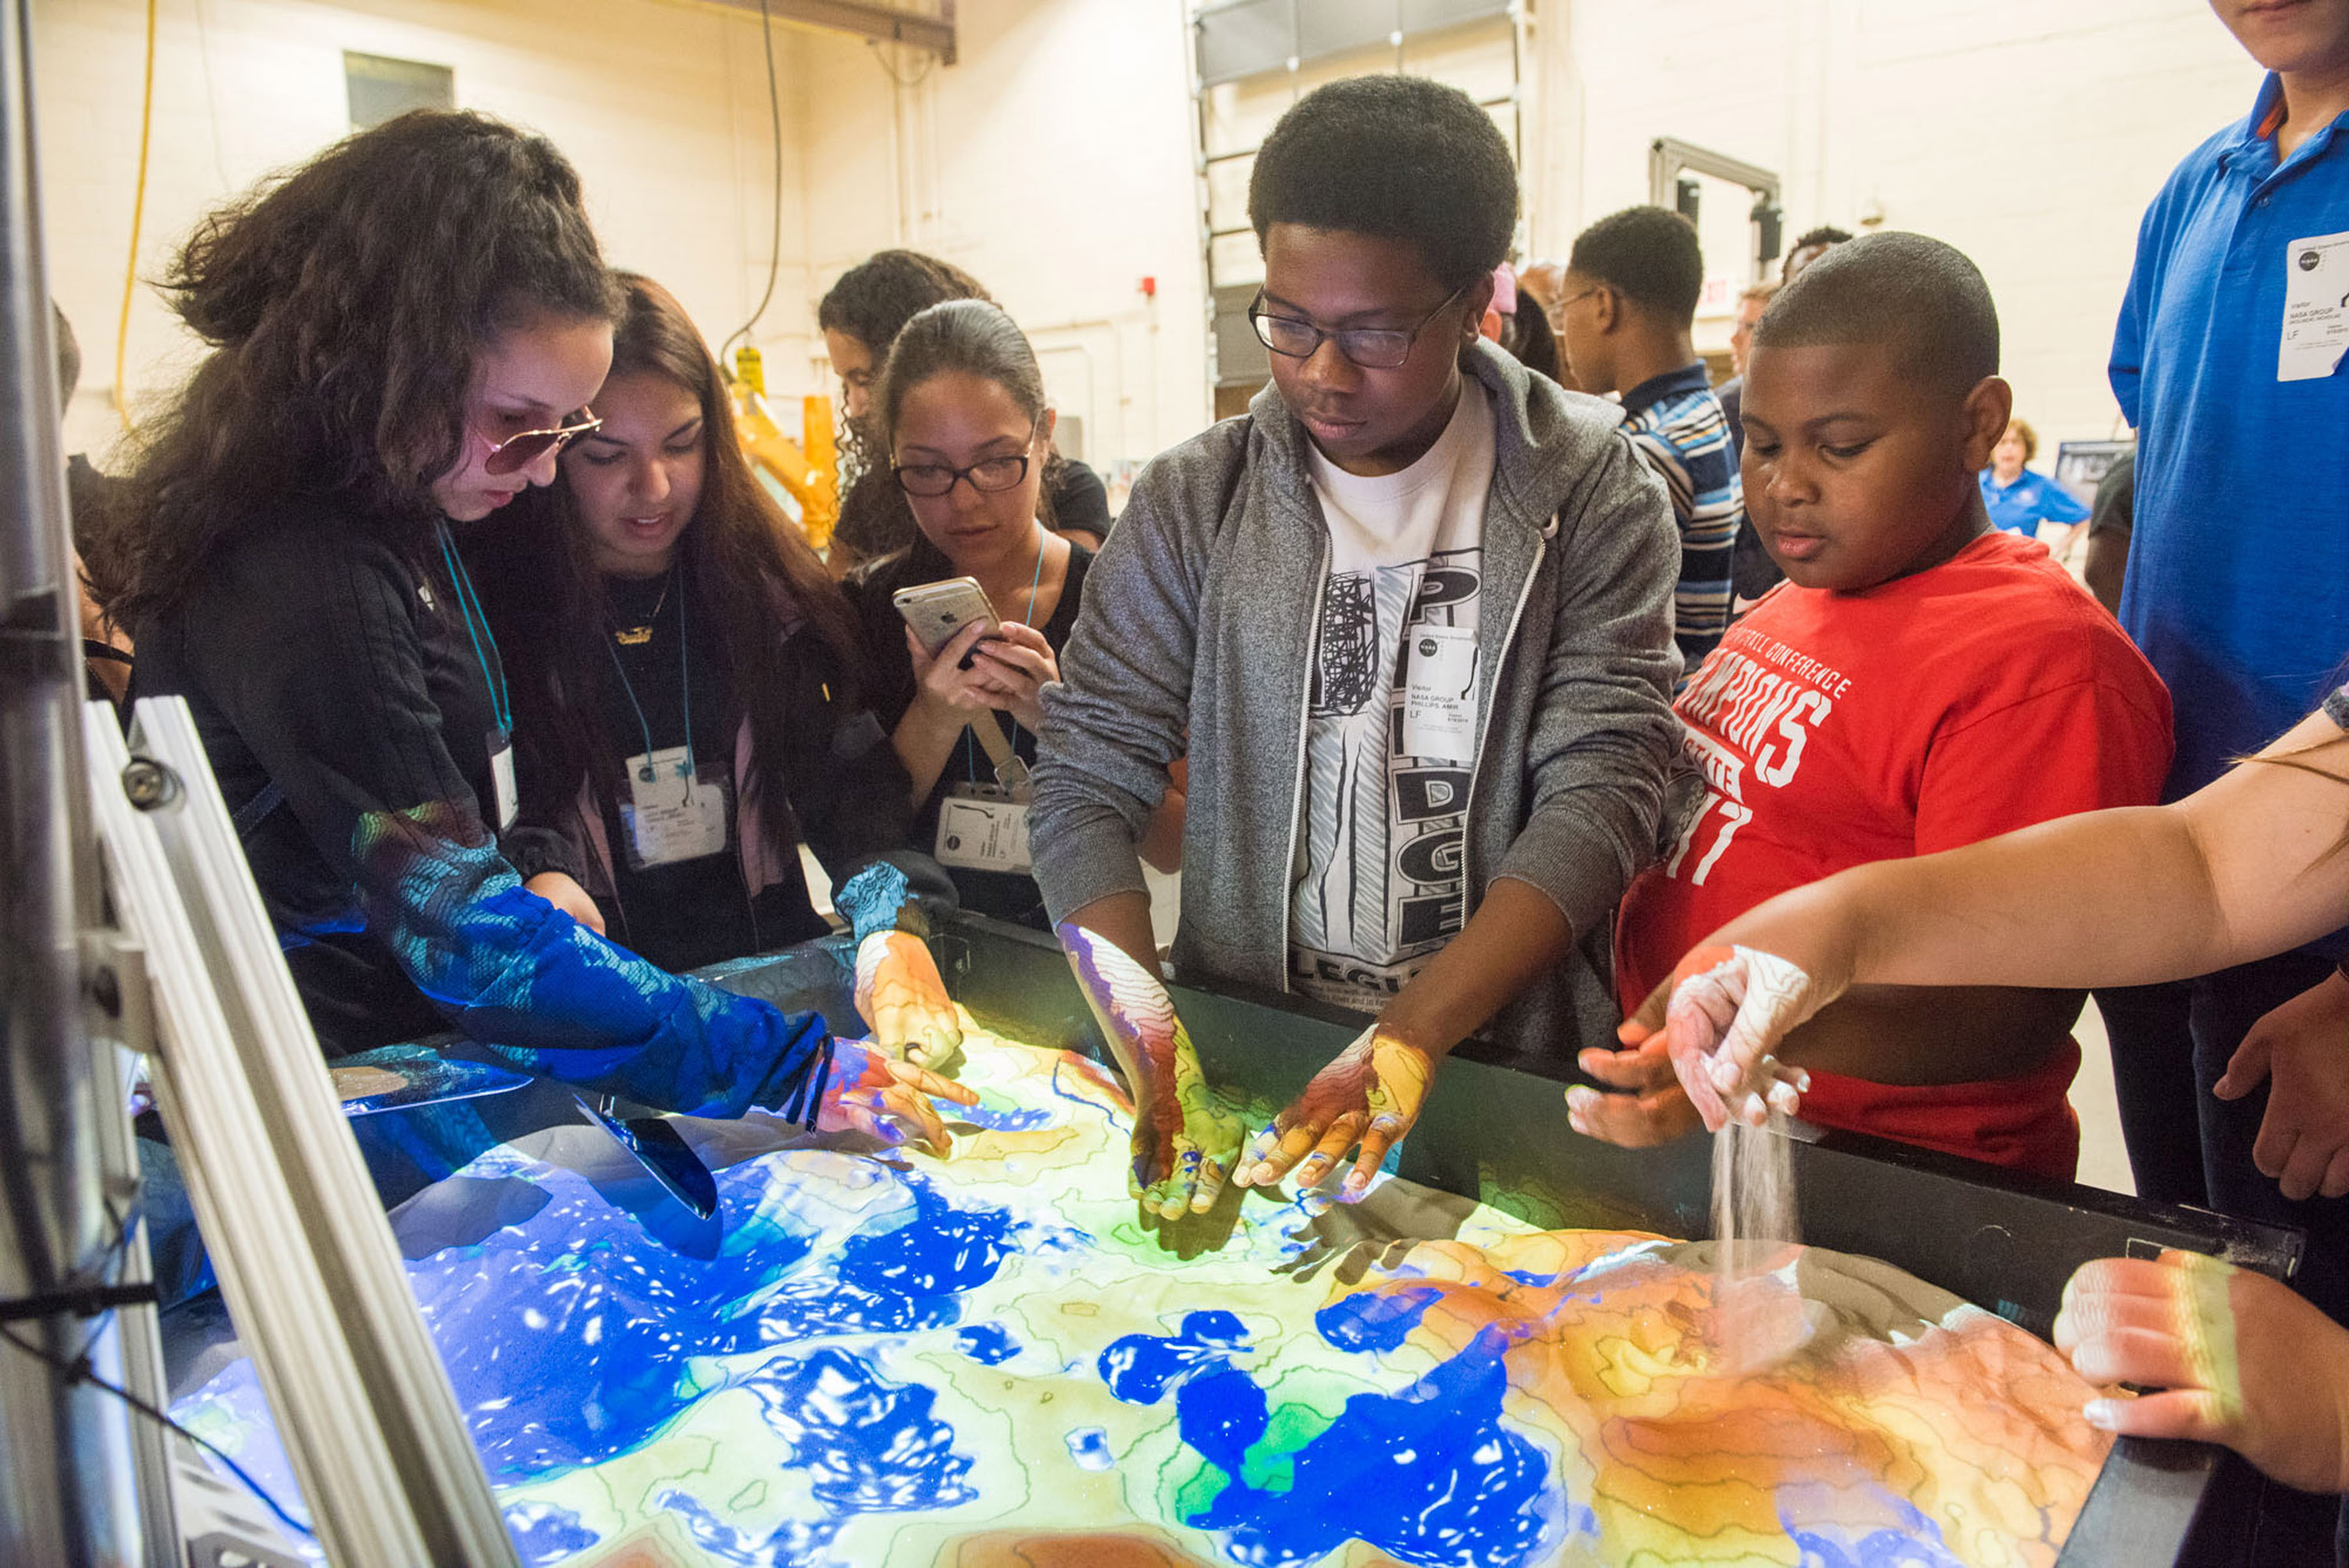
808, 468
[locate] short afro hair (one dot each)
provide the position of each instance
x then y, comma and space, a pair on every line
1647, 254
1916, 294
1824, 236
875, 299
1397, 158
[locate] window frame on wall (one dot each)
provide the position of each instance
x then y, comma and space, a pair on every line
1258, 47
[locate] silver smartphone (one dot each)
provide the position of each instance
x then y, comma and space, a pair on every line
936, 611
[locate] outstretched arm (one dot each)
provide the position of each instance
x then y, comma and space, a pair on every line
2249, 866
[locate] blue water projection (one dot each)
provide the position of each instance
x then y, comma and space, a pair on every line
569, 1345
869, 1446
996, 1118
1429, 1475
545, 1535
988, 1344
1915, 1543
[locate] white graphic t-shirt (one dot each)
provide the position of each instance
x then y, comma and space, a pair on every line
1390, 735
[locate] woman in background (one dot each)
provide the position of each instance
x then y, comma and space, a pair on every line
969, 447
2024, 502
861, 317
693, 687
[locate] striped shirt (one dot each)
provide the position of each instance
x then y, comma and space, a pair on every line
1676, 423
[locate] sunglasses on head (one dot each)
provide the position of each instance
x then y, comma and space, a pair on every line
518, 452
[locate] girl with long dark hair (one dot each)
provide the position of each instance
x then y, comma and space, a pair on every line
692, 686
402, 335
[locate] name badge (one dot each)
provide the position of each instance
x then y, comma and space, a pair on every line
981, 830
508, 802
2315, 308
671, 813
1439, 707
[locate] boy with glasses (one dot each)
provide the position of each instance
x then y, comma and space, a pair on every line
1411, 619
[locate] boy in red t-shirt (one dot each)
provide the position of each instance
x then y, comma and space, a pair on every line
1920, 682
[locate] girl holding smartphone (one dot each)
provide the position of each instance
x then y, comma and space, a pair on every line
967, 435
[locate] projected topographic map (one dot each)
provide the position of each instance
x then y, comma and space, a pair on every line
882, 1360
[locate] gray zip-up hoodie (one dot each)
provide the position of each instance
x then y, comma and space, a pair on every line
1197, 638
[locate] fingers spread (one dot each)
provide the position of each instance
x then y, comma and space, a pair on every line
910, 1110
1295, 1141
1333, 1147
1377, 1139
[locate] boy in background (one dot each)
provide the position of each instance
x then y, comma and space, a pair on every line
1631, 287
1411, 618
1921, 681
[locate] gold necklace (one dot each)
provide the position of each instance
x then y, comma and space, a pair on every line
637, 636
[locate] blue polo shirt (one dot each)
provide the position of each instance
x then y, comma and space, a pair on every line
2033, 498
2239, 571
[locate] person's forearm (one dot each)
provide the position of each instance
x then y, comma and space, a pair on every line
924, 740
1162, 840
1516, 934
1124, 919
2087, 900
2245, 867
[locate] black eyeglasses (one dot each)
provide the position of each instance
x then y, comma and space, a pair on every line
516, 453
988, 476
1371, 348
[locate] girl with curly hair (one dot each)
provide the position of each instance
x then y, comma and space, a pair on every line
403, 332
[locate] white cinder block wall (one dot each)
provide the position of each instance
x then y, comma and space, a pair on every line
1054, 162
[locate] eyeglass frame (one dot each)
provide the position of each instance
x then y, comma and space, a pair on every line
557, 437
965, 475
1257, 316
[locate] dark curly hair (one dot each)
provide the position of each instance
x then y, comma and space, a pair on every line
1395, 157
743, 560
873, 301
1647, 254
344, 303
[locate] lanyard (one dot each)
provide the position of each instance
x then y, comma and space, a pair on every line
970, 756
477, 629
685, 690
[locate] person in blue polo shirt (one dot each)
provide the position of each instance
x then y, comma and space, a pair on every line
2020, 498
1631, 287
2227, 359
